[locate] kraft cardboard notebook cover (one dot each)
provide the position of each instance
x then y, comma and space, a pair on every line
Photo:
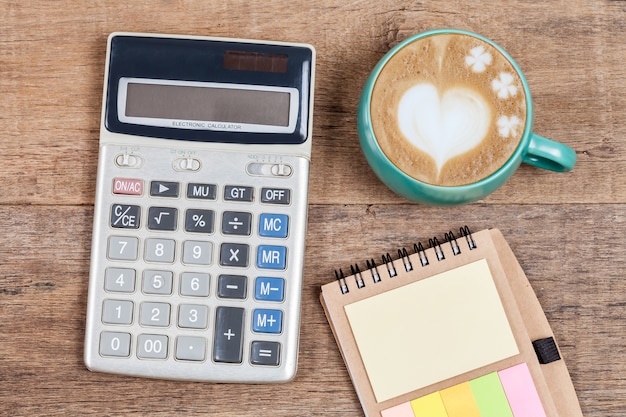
452, 330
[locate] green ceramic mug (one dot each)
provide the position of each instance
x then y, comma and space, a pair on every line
445, 118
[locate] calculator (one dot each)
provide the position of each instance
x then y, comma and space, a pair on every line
200, 209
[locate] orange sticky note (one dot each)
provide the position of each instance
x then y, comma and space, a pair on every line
429, 406
459, 401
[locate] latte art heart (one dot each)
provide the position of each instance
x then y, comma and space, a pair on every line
443, 125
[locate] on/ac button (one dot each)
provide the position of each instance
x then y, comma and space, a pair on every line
127, 186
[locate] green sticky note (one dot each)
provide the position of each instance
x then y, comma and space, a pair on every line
490, 396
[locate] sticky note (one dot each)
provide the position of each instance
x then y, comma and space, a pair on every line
521, 392
429, 405
490, 397
431, 330
402, 410
459, 401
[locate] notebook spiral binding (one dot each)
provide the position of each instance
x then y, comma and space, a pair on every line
404, 258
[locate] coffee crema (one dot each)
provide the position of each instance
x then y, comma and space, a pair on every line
448, 109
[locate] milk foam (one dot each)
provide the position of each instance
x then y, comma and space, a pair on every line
443, 125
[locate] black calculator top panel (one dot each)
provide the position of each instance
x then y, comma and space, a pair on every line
215, 62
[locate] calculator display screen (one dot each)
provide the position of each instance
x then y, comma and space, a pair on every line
207, 106
209, 90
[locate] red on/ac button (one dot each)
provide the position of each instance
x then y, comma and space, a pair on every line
128, 186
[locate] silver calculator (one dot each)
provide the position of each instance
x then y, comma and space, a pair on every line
200, 212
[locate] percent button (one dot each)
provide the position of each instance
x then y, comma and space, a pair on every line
199, 221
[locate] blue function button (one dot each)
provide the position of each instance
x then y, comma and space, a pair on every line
273, 225
238, 193
271, 257
125, 216
267, 321
275, 196
269, 289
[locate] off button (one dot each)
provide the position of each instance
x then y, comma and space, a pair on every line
275, 196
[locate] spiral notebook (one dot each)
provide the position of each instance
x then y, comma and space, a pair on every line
454, 330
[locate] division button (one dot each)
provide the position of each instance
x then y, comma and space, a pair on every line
236, 223
265, 353
228, 340
164, 189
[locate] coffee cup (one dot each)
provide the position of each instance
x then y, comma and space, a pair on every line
445, 118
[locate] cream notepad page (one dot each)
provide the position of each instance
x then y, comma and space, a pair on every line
431, 330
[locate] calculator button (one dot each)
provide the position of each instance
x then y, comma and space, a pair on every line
152, 346
232, 286
269, 289
157, 282
228, 339
267, 321
127, 186
271, 257
123, 248
265, 353
197, 252
160, 250
119, 280
238, 193
155, 314
164, 189
193, 316
201, 191
199, 221
124, 216
275, 196
234, 254
190, 348
115, 344
236, 223
162, 218
117, 312
273, 225
194, 284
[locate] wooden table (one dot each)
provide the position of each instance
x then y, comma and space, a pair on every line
568, 230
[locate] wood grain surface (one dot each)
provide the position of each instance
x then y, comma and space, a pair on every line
568, 230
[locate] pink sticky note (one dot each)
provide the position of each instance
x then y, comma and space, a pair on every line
402, 410
521, 392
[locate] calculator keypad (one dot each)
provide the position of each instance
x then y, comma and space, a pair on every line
198, 272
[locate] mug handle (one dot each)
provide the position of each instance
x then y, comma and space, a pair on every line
548, 154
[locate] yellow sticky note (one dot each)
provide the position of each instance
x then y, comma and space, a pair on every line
429, 405
431, 330
459, 401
